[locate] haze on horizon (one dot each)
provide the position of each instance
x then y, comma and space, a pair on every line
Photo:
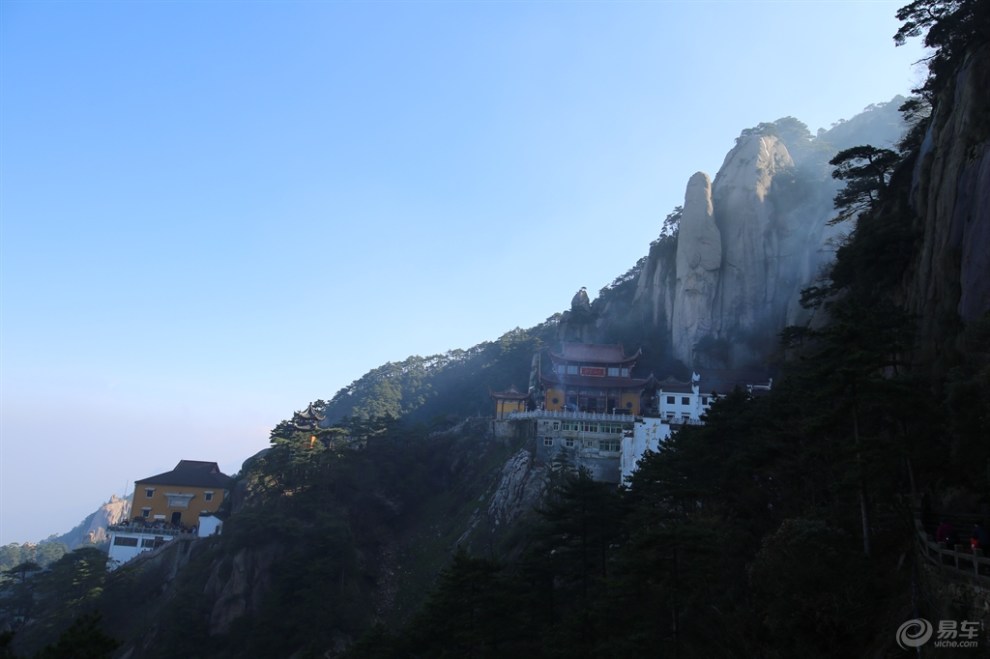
212, 214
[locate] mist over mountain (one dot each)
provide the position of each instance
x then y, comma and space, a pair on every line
392, 521
715, 294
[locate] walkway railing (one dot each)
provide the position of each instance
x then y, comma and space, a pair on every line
567, 414
959, 558
152, 528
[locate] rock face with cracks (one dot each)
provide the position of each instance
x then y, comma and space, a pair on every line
750, 241
699, 259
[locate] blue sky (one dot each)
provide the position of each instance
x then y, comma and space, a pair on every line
212, 213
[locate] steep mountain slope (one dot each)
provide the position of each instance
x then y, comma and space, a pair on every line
950, 191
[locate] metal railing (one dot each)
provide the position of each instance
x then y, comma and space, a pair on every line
959, 557
571, 415
151, 529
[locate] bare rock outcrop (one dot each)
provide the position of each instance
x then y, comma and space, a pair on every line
698, 260
951, 194
240, 589
93, 529
520, 486
754, 231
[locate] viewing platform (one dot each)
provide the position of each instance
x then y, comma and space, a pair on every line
151, 528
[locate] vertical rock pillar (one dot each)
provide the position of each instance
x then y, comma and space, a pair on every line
699, 257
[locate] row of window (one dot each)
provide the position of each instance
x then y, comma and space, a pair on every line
589, 426
686, 400
603, 445
573, 369
149, 492
133, 542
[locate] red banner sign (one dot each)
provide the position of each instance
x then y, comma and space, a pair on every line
593, 371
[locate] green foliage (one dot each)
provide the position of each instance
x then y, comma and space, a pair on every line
950, 28
866, 171
43, 554
916, 112
456, 383
84, 639
44, 605
469, 614
790, 130
814, 591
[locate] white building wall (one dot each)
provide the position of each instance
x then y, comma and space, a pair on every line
209, 525
121, 553
647, 435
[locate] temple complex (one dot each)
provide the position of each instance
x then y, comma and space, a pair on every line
593, 377
590, 411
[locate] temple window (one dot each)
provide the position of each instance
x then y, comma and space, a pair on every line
685, 400
178, 499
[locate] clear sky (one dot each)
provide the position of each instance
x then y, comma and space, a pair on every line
213, 213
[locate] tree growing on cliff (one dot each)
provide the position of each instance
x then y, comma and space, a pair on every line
866, 171
950, 27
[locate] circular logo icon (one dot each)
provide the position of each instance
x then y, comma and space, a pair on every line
914, 633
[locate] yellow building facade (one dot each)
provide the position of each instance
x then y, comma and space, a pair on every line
507, 402
180, 496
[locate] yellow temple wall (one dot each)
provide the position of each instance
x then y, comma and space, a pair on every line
552, 393
158, 501
630, 397
505, 407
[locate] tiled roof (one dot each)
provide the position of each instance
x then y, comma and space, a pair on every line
511, 394
190, 473
595, 353
674, 386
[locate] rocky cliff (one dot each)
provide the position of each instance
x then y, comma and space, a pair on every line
93, 529
748, 243
950, 193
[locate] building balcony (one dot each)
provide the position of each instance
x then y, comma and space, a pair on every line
136, 527
571, 415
